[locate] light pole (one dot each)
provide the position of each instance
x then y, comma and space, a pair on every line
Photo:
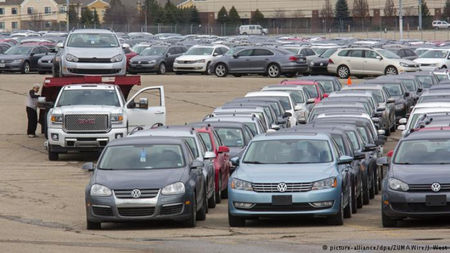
400, 18
67, 15
420, 14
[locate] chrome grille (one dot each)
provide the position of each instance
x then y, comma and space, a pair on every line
86, 123
95, 60
145, 193
427, 188
273, 187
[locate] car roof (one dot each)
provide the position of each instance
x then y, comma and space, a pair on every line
269, 93
439, 133
219, 124
281, 135
175, 131
142, 140
105, 31
89, 86
298, 82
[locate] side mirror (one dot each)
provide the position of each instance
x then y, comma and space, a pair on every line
407, 93
235, 161
345, 159
32, 54
275, 127
381, 132
402, 121
401, 128
88, 166
302, 121
370, 147
209, 155
379, 57
281, 121
376, 120
235, 56
359, 156
143, 103
216, 54
390, 153
381, 109
196, 164
287, 114
311, 101
382, 161
391, 100
298, 107
60, 45
381, 141
223, 149
419, 90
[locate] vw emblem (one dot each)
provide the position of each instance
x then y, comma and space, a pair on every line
139, 62
135, 193
282, 187
435, 187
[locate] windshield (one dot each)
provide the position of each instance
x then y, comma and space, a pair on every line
231, 137
327, 85
437, 98
154, 51
394, 89
138, 49
285, 103
409, 84
192, 145
328, 52
199, 51
92, 40
423, 152
441, 77
319, 51
312, 90
426, 81
354, 140
288, 151
88, 97
18, 51
142, 157
388, 54
434, 54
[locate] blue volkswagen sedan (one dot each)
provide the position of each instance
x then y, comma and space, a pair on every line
288, 173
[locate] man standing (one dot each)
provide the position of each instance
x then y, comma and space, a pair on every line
31, 103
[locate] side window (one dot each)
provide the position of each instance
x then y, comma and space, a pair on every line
172, 50
334, 146
247, 135
44, 50
370, 54
355, 53
303, 52
252, 27
246, 52
217, 139
343, 53
207, 141
309, 51
261, 52
340, 143
189, 152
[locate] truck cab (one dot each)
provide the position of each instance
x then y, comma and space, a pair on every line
86, 114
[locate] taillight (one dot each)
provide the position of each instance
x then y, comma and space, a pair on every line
293, 58
330, 61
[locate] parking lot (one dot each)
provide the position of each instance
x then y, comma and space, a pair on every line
42, 202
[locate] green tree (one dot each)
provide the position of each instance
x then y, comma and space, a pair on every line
257, 18
446, 12
155, 13
171, 14
115, 14
73, 16
86, 19
195, 16
222, 16
234, 17
95, 19
426, 16
341, 11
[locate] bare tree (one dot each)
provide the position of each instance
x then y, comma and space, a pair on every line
360, 9
327, 13
389, 9
410, 11
279, 14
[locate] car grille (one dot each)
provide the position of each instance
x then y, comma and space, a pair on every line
6, 61
145, 193
86, 123
427, 188
173, 209
47, 61
140, 62
136, 211
419, 207
186, 62
273, 187
427, 64
94, 60
261, 207
94, 71
102, 211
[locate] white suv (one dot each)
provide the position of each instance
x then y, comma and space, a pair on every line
92, 52
434, 58
439, 24
198, 58
368, 61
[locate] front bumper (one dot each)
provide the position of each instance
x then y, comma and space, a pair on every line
106, 69
11, 66
300, 203
112, 209
143, 67
407, 69
294, 67
82, 141
45, 67
189, 67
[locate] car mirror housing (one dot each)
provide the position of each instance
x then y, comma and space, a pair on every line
88, 166
359, 155
311, 101
235, 161
275, 127
381, 109
345, 159
382, 161
402, 121
235, 56
391, 100
287, 114
370, 147
196, 164
209, 155
298, 107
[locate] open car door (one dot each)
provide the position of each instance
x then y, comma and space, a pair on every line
146, 108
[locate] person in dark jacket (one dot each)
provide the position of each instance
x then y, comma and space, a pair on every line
31, 107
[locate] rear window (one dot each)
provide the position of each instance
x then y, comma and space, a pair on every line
343, 53
231, 137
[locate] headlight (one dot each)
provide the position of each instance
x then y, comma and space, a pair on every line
172, 189
152, 62
71, 58
100, 191
116, 119
200, 61
18, 61
56, 119
238, 184
325, 184
117, 58
397, 185
312, 63
403, 64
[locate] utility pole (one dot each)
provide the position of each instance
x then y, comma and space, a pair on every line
145, 15
400, 18
420, 14
67, 15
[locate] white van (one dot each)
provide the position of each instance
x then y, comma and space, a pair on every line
252, 30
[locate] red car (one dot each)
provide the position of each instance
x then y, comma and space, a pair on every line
221, 163
129, 54
314, 88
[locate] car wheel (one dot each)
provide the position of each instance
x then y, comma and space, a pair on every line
343, 72
273, 70
52, 156
221, 70
201, 214
212, 201
90, 225
25, 68
359, 200
219, 191
366, 194
192, 220
372, 189
349, 207
376, 182
387, 221
162, 68
337, 219
391, 70
354, 200
235, 221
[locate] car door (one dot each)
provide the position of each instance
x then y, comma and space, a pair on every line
372, 64
240, 61
344, 171
196, 175
355, 61
147, 115
35, 55
172, 53
259, 60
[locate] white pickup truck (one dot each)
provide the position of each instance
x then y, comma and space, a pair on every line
85, 117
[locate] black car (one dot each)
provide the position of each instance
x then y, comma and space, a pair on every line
45, 63
404, 53
319, 64
146, 178
22, 58
157, 59
4, 47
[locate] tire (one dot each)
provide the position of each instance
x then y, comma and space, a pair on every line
372, 187
212, 201
192, 221
273, 70
52, 156
244, 33
162, 68
25, 68
366, 194
343, 72
90, 225
376, 183
359, 200
391, 70
201, 214
221, 70
207, 72
387, 221
219, 191
354, 200
348, 210
337, 219
235, 221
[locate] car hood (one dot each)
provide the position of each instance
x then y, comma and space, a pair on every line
298, 173
87, 109
422, 174
428, 60
138, 179
146, 58
94, 52
12, 57
194, 57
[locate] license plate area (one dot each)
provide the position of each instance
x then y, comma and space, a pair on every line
436, 200
282, 200
2, 65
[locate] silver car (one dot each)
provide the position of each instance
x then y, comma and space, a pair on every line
92, 52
